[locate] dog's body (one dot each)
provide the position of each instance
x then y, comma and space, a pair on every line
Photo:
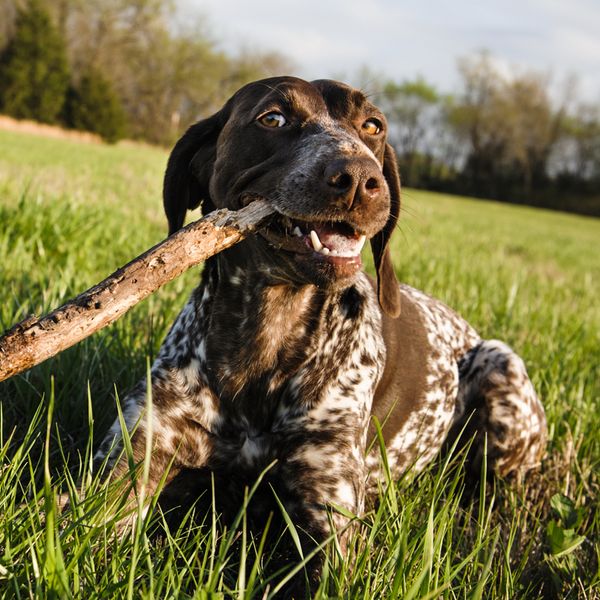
287, 350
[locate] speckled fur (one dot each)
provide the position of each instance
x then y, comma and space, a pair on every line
271, 363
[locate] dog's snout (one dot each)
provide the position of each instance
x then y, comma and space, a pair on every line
352, 181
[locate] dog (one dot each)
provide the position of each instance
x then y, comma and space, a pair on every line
287, 353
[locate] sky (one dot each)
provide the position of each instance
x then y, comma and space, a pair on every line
404, 39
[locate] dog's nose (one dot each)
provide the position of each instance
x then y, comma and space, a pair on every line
353, 181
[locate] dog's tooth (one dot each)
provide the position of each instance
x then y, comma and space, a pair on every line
324, 250
361, 242
316, 242
297, 231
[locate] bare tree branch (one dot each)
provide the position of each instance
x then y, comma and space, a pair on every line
33, 340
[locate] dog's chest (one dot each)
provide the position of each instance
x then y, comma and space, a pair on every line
290, 384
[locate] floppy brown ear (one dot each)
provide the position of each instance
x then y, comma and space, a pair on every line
388, 291
186, 185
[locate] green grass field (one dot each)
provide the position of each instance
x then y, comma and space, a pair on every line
71, 213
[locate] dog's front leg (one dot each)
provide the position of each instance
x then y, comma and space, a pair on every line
326, 478
327, 473
165, 433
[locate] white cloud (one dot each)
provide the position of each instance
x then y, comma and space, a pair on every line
403, 38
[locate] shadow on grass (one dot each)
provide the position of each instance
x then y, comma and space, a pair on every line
83, 378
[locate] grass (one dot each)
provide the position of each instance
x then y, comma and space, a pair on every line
70, 213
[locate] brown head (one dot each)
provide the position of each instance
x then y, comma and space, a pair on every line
317, 151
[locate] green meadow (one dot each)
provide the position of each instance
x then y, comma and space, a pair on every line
71, 213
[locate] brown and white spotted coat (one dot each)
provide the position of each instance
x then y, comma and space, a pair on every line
287, 349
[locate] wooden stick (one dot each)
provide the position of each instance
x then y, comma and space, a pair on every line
33, 340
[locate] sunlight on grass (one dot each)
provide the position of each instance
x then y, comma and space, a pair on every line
72, 213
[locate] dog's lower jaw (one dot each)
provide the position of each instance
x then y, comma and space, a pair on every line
260, 259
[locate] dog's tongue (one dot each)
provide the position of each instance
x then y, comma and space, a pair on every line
336, 241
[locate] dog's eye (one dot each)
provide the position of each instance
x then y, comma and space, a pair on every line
273, 119
372, 126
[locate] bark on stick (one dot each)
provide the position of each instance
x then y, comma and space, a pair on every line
34, 340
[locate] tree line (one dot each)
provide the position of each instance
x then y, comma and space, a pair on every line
510, 136
116, 67
126, 68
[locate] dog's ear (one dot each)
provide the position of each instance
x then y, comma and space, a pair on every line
190, 165
388, 291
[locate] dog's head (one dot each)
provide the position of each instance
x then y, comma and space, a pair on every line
317, 151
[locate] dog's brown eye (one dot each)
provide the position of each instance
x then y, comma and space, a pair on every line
372, 126
273, 119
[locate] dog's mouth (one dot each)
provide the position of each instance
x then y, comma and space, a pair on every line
335, 242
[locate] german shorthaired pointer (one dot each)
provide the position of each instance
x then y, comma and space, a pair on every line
286, 350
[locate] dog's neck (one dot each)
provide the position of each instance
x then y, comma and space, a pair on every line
256, 326
263, 331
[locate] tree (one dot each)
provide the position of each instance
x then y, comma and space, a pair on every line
535, 125
510, 126
166, 76
34, 74
584, 133
8, 10
478, 119
412, 109
92, 105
